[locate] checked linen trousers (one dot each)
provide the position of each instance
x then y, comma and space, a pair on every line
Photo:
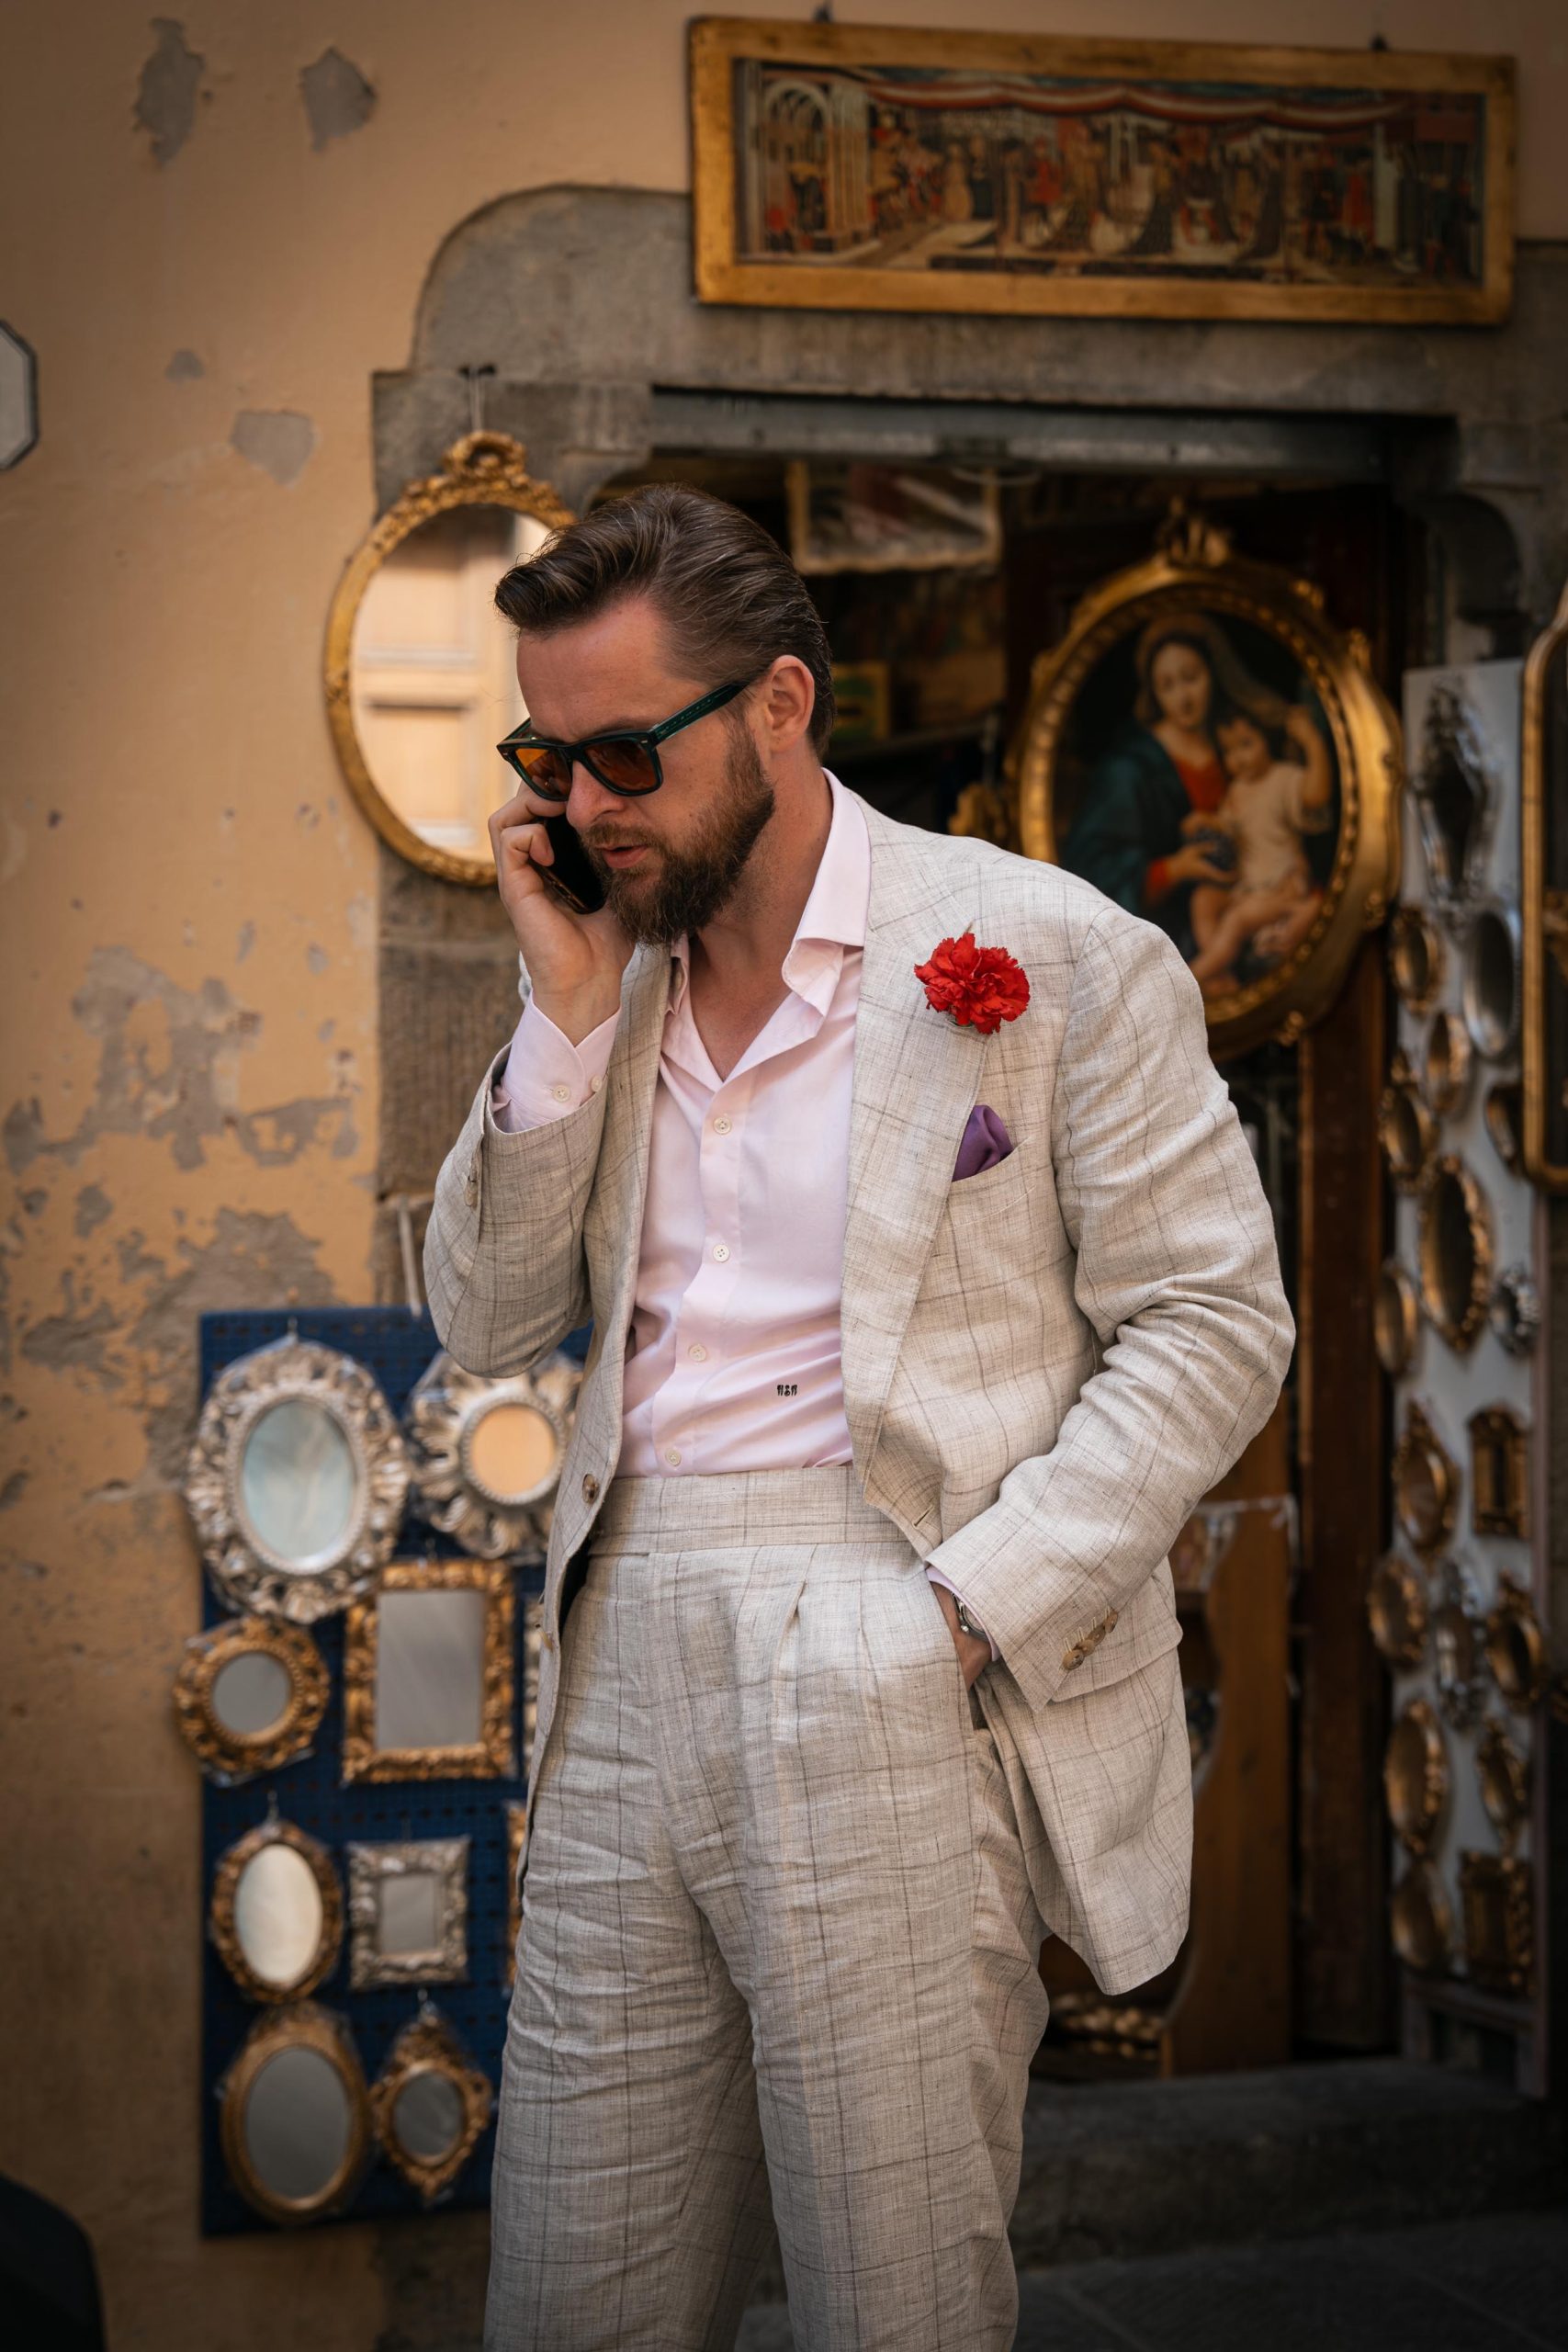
778, 1945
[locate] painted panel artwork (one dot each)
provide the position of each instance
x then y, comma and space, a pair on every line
837, 167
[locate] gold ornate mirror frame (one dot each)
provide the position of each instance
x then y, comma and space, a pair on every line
1406, 1129
233, 1754
1444, 1178
1503, 1773
1543, 842
1497, 1896
1420, 1920
1499, 1473
1426, 1482
428, 2048
1415, 1776
301, 2026
1396, 1610
492, 1757
1417, 956
482, 469
223, 1923
1195, 569
1396, 1316
1515, 1647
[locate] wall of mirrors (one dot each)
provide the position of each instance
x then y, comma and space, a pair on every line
1454, 1606
360, 1705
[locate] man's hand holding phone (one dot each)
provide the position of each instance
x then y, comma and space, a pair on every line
575, 959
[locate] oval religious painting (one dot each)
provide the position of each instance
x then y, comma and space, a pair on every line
1211, 754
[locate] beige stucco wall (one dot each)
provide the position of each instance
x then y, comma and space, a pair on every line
189, 1081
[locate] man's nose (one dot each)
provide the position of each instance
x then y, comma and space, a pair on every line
588, 798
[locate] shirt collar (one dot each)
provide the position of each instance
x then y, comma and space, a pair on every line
833, 917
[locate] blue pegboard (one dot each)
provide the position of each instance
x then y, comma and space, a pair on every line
395, 1347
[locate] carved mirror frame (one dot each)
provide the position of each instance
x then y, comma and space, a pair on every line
1460, 1331
1499, 1472
492, 1755
428, 2045
223, 1928
1496, 1897
301, 2026
1421, 1921
1421, 1452
1397, 1610
244, 1568
446, 1961
232, 1756
1415, 1776
446, 1409
1451, 738
516, 1841
1543, 843
480, 469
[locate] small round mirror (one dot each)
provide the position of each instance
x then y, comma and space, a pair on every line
428, 2115
512, 1452
298, 1483
278, 1915
250, 1695
1492, 980
298, 2125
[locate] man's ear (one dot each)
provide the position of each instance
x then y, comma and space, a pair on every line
786, 703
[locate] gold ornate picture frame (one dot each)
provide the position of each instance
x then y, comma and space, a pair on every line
849, 167
1200, 647
482, 469
1499, 1472
478, 1680
1497, 1901
278, 1713
268, 2153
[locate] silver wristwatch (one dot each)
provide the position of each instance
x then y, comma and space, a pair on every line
968, 1623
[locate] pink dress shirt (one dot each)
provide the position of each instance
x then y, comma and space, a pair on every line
733, 1355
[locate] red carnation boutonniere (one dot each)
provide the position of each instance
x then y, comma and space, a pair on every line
981, 987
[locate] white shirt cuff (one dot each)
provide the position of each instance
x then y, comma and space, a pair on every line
546, 1075
937, 1577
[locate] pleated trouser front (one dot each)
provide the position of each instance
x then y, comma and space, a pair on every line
777, 1946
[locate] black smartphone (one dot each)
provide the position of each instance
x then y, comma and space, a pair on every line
572, 876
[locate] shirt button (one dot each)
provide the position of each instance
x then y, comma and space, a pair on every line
698, 1355
594, 1084
722, 1126
590, 1487
721, 1250
561, 1093
671, 1453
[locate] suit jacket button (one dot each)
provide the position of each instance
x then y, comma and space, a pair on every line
590, 1488
1074, 1656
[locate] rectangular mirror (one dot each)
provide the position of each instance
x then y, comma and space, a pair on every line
408, 1912
428, 1675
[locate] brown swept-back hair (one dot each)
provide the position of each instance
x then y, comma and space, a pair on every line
728, 593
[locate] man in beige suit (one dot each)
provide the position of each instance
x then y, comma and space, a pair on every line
916, 1340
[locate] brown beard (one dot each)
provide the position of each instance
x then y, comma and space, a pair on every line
690, 885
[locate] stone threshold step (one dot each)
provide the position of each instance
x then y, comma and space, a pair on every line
1357, 2143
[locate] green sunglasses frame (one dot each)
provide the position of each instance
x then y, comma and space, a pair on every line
647, 738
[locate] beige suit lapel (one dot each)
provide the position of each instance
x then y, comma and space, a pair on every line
612, 1226
917, 1078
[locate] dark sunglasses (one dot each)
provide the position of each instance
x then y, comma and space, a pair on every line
626, 761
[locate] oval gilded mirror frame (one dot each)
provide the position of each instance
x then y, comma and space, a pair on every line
427, 2052
482, 469
455, 1489
1456, 1301
1426, 1483
247, 1569
223, 1924
1397, 1610
1417, 957
1396, 1316
1421, 1920
1447, 1064
1196, 569
1515, 1647
301, 2026
1406, 1129
231, 1755
1503, 1773
1415, 1776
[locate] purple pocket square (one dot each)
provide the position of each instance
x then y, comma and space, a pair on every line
986, 1140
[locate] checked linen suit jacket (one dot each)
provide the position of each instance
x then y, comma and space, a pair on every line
1045, 1365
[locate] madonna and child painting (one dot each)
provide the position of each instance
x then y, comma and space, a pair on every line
1196, 785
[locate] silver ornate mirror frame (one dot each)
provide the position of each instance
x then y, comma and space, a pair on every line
1454, 757
245, 1570
370, 1867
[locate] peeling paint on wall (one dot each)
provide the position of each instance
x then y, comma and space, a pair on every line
338, 98
183, 368
279, 440
169, 1069
166, 95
